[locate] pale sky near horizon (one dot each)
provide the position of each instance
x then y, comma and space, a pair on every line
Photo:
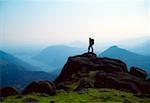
57, 21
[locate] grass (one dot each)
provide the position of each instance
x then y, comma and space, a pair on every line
89, 96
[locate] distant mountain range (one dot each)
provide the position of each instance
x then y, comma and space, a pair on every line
139, 45
8, 58
15, 72
57, 55
143, 48
130, 58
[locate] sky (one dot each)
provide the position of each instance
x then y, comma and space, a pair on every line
27, 22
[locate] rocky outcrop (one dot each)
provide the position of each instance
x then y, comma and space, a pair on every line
88, 71
82, 64
117, 80
46, 87
8, 91
138, 72
84, 83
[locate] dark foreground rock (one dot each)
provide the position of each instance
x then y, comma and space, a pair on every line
84, 83
118, 81
8, 91
87, 71
45, 87
82, 64
138, 72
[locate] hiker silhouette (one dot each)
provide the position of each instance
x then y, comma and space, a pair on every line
91, 43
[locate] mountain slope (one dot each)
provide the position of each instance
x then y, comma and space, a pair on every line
57, 55
14, 75
14, 72
8, 58
132, 59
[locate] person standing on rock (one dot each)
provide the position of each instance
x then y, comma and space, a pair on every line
91, 43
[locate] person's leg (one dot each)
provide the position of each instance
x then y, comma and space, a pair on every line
88, 49
92, 49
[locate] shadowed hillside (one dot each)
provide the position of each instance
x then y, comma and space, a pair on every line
17, 73
8, 58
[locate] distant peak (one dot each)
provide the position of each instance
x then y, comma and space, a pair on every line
115, 46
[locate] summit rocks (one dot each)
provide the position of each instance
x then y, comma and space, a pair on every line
88, 71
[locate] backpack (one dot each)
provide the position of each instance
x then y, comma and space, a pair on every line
92, 41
